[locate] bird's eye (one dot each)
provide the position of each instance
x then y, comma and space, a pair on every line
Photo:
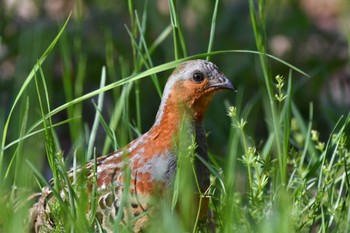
198, 77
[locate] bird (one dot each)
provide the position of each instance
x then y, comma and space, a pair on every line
151, 159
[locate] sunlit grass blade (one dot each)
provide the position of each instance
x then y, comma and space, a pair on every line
110, 133
47, 125
323, 157
148, 56
178, 38
287, 113
73, 78
160, 39
97, 118
17, 158
94, 191
212, 29
124, 197
233, 151
307, 133
117, 113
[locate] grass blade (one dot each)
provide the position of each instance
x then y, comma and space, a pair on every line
26, 84
96, 119
212, 29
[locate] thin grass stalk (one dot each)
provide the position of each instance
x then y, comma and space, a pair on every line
97, 118
323, 156
163, 35
260, 39
109, 132
2, 121
11, 163
323, 225
73, 86
79, 87
212, 28
148, 56
68, 85
178, 38
110, 59
200, 194
137, 92
94, 189
229, 208
173, 20
135, 48
347, 225
340, 194
182, 41
49, 129
71, 193
132, 26
308, 135
348, 40
49, 145
120, 106
18, 156
287, 121
182, 196
124, 130
113, 76
117, 113
141, 58
24, 87
125, 195
140, 27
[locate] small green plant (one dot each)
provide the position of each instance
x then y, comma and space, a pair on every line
279, 85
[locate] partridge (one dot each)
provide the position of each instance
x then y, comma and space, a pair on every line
151, 159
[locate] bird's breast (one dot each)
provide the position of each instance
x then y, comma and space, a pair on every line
149, 161
152, 163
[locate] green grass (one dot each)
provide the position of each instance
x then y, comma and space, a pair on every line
291, 181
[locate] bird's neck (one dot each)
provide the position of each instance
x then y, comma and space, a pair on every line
172, 118
179, 126
176, 122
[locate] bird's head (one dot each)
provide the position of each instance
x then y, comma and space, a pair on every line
191, 87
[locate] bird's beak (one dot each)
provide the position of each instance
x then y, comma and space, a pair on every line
221, 82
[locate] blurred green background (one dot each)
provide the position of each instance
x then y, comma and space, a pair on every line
313, 35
